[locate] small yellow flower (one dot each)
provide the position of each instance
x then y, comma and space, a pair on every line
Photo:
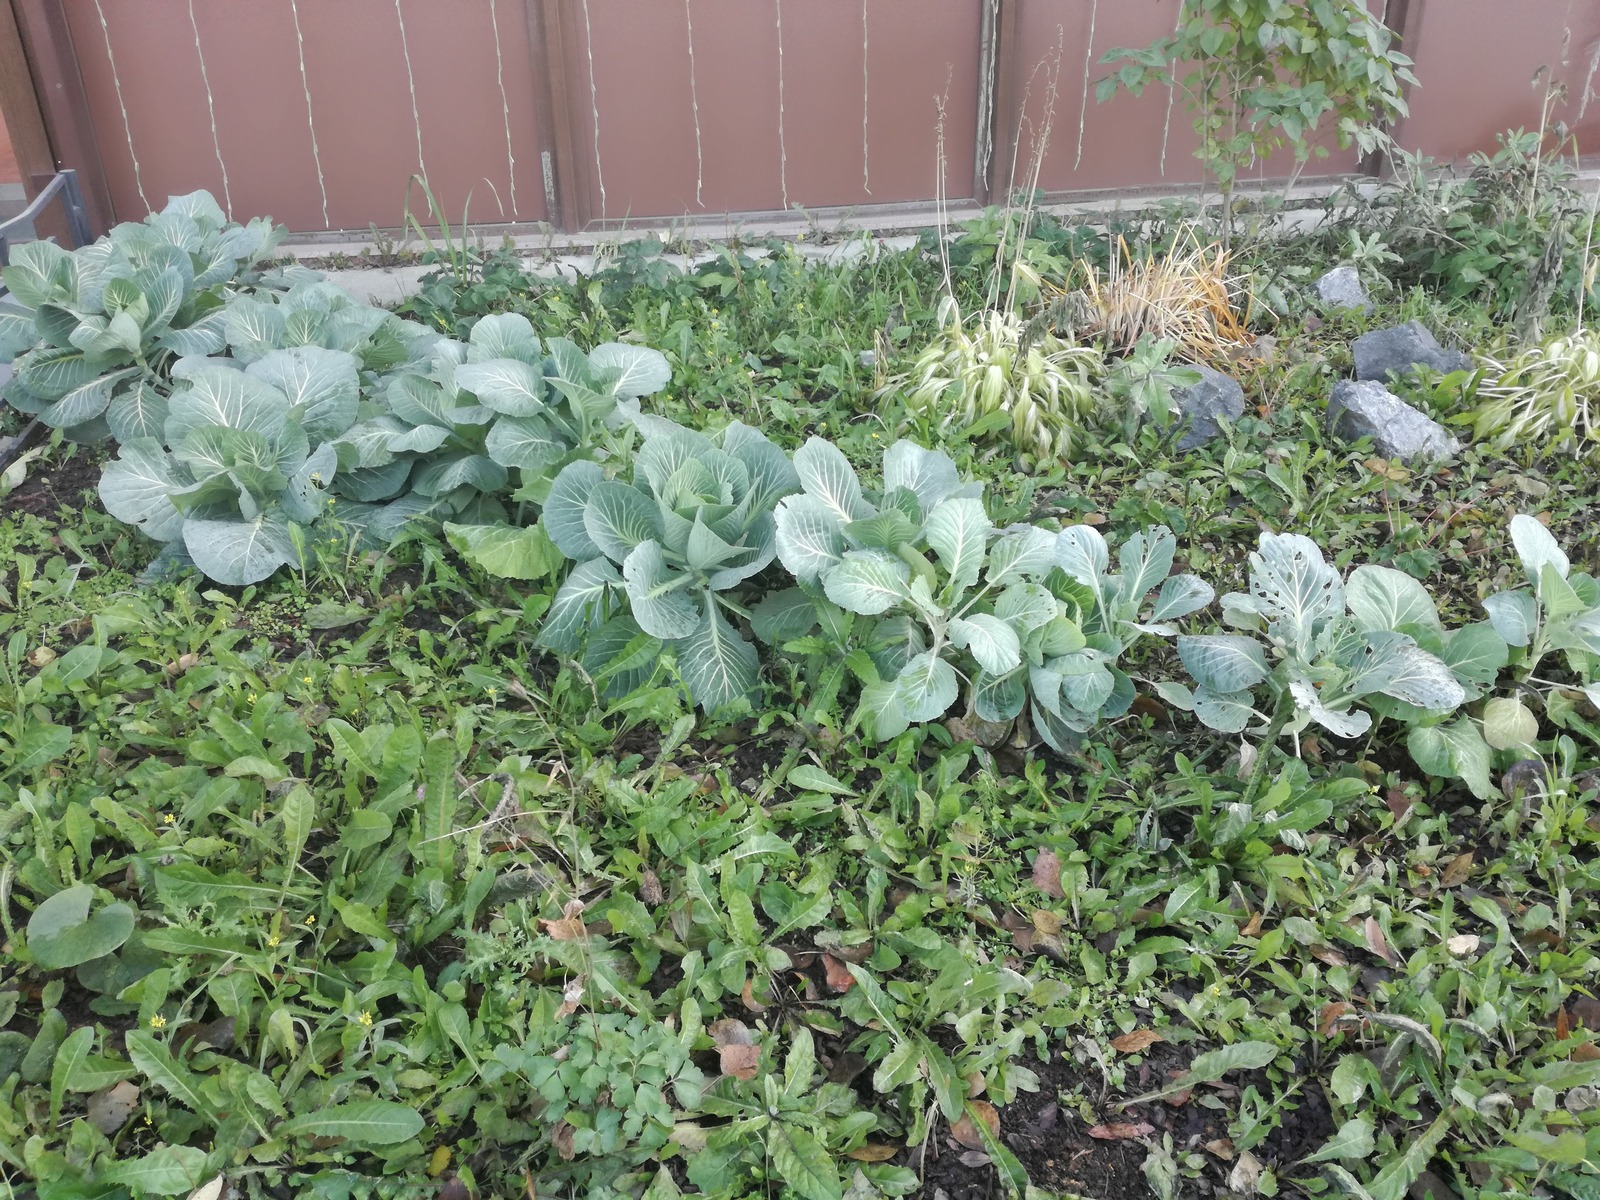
875, 437
491, 689
801, 306
305, 679
250, 699
365, 1018
158, 1022
800, 237
316, 478
272, 939
312, 919
169, 819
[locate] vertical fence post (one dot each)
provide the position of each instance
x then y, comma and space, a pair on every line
19, 104
566, 187
1404, 18
997, 77
53, 62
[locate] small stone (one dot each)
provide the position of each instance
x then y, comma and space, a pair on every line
1400, 349
1367, 409
1199, 406
1341, 288
869, 359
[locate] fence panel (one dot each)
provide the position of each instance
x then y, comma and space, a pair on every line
696, 106
1478, 61
314, 112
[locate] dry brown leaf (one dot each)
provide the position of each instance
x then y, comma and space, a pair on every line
1094, 518
749, 997
1047, 874
650, 887
569, 927
1139, 1039
1252, 927
1379, 944
561, 1138
838, 975
740, 1061
1399, 803
1587, 1052
1046, 922
873, 1152
1329, 956
1221, 1148
110, 1108
966, 1132
1563, 1024
1457, 871
1331, 1012
1121, 1131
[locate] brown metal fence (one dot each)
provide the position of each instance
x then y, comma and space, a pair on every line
609, 111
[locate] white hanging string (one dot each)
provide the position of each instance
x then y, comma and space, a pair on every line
694, 102
783, 152
1088, 65
311, 123
211, 109
594, 105
127, 128
866, 172
1172, 93
411, 82
505, 105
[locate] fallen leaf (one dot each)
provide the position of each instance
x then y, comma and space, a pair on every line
749, 997
974, 1159
1379, 944
1139, 1039
438, 1161
740, 1061
1221, 1148
966, 1132
1094, 518
1587, 1052
976, 1084
1586, 1009
873, 1152
110, 1108
1246, 1174
1047, 923
650, 887
569, 927
210, 1191
1047, 875
1457, 871
1121, 1131
838, 975
1399, 803
1330, 956
1462, 944
1331, 1012
561, 1138
1563, 1025
1252, 927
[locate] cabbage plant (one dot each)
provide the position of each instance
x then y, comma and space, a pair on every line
1022, 614
94, 332
450, 431
1330, 652
659, 559
243, 459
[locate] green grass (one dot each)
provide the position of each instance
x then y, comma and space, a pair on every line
414, 909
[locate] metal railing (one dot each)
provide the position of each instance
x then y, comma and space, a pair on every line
65, 186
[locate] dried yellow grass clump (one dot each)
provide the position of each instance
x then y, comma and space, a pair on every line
1185, 296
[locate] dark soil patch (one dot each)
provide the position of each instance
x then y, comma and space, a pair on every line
1046, 1132
48, 489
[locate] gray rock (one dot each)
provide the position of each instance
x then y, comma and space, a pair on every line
1341, 288
869, 359
1401, 348
1199, 406
1368, 409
